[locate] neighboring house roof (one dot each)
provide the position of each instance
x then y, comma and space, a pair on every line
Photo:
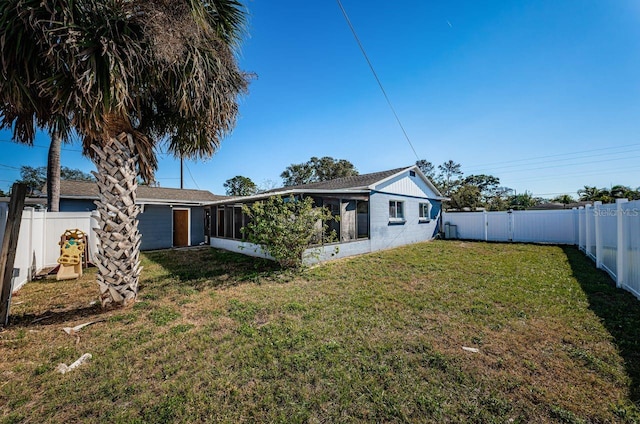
28, 201
364, 183
160, 195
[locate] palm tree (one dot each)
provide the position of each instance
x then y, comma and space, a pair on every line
589, 194
565, 199
127, 74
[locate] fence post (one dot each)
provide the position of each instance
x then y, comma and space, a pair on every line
8, 251
30, 245
620, 249
598, 232
486, 225
510, 225
580, 227
576, 227
587, 228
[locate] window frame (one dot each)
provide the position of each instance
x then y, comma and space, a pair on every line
424, 215
393, 206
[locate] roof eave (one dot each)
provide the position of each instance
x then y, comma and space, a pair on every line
140, 201
261, 196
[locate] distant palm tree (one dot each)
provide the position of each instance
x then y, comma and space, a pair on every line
565, 199
590, 194
126, 74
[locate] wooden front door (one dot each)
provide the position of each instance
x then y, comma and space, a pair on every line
180, 227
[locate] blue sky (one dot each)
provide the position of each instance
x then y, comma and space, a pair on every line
544, 95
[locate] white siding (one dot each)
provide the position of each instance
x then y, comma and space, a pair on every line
407, 185
385, 235
336, 251
239, 246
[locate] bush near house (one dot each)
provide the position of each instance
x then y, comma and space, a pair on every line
287, 226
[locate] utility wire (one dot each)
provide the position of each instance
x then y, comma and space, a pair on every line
519, 166
9, 166
192, 179
511, 161
40, 146
364, 53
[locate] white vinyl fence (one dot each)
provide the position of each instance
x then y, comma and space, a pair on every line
608, 234
39, 236
546, 226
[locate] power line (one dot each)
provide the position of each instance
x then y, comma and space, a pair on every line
573, 174
40, 146
568, 164
9, 166
364, 53
511, 161
599, 155
192, 179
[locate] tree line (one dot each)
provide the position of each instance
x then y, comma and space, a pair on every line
471, 192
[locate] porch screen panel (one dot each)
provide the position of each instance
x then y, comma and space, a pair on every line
363, 218
237, 222
348, 220
333, 225
220, 223
228, 222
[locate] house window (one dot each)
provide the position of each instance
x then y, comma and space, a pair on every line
424, 213
412, 173
396, 211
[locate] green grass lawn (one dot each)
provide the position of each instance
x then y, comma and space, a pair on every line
221, 337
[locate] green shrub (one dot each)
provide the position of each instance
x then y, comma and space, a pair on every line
286, 227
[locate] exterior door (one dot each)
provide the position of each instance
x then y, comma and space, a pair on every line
180, 227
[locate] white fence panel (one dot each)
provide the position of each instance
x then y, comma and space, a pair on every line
499, 226
39, 236
470, 225
554, 226
582, 242
630, 215
608, 236
590, 225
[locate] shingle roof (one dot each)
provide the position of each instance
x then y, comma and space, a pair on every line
346, 183
89, 190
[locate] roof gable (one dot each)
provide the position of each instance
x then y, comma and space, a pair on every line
409, 181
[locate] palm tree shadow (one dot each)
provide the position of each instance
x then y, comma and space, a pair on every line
88, 313
619, 312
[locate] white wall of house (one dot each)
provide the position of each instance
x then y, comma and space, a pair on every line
239, 246
336, 251
387, 233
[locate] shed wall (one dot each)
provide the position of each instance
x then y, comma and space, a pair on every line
155, 225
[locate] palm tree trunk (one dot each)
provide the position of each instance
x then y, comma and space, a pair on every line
53, 173
118, 251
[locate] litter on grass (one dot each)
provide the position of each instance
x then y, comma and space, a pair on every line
64, 368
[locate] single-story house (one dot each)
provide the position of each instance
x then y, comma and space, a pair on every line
377, 211
169, 217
